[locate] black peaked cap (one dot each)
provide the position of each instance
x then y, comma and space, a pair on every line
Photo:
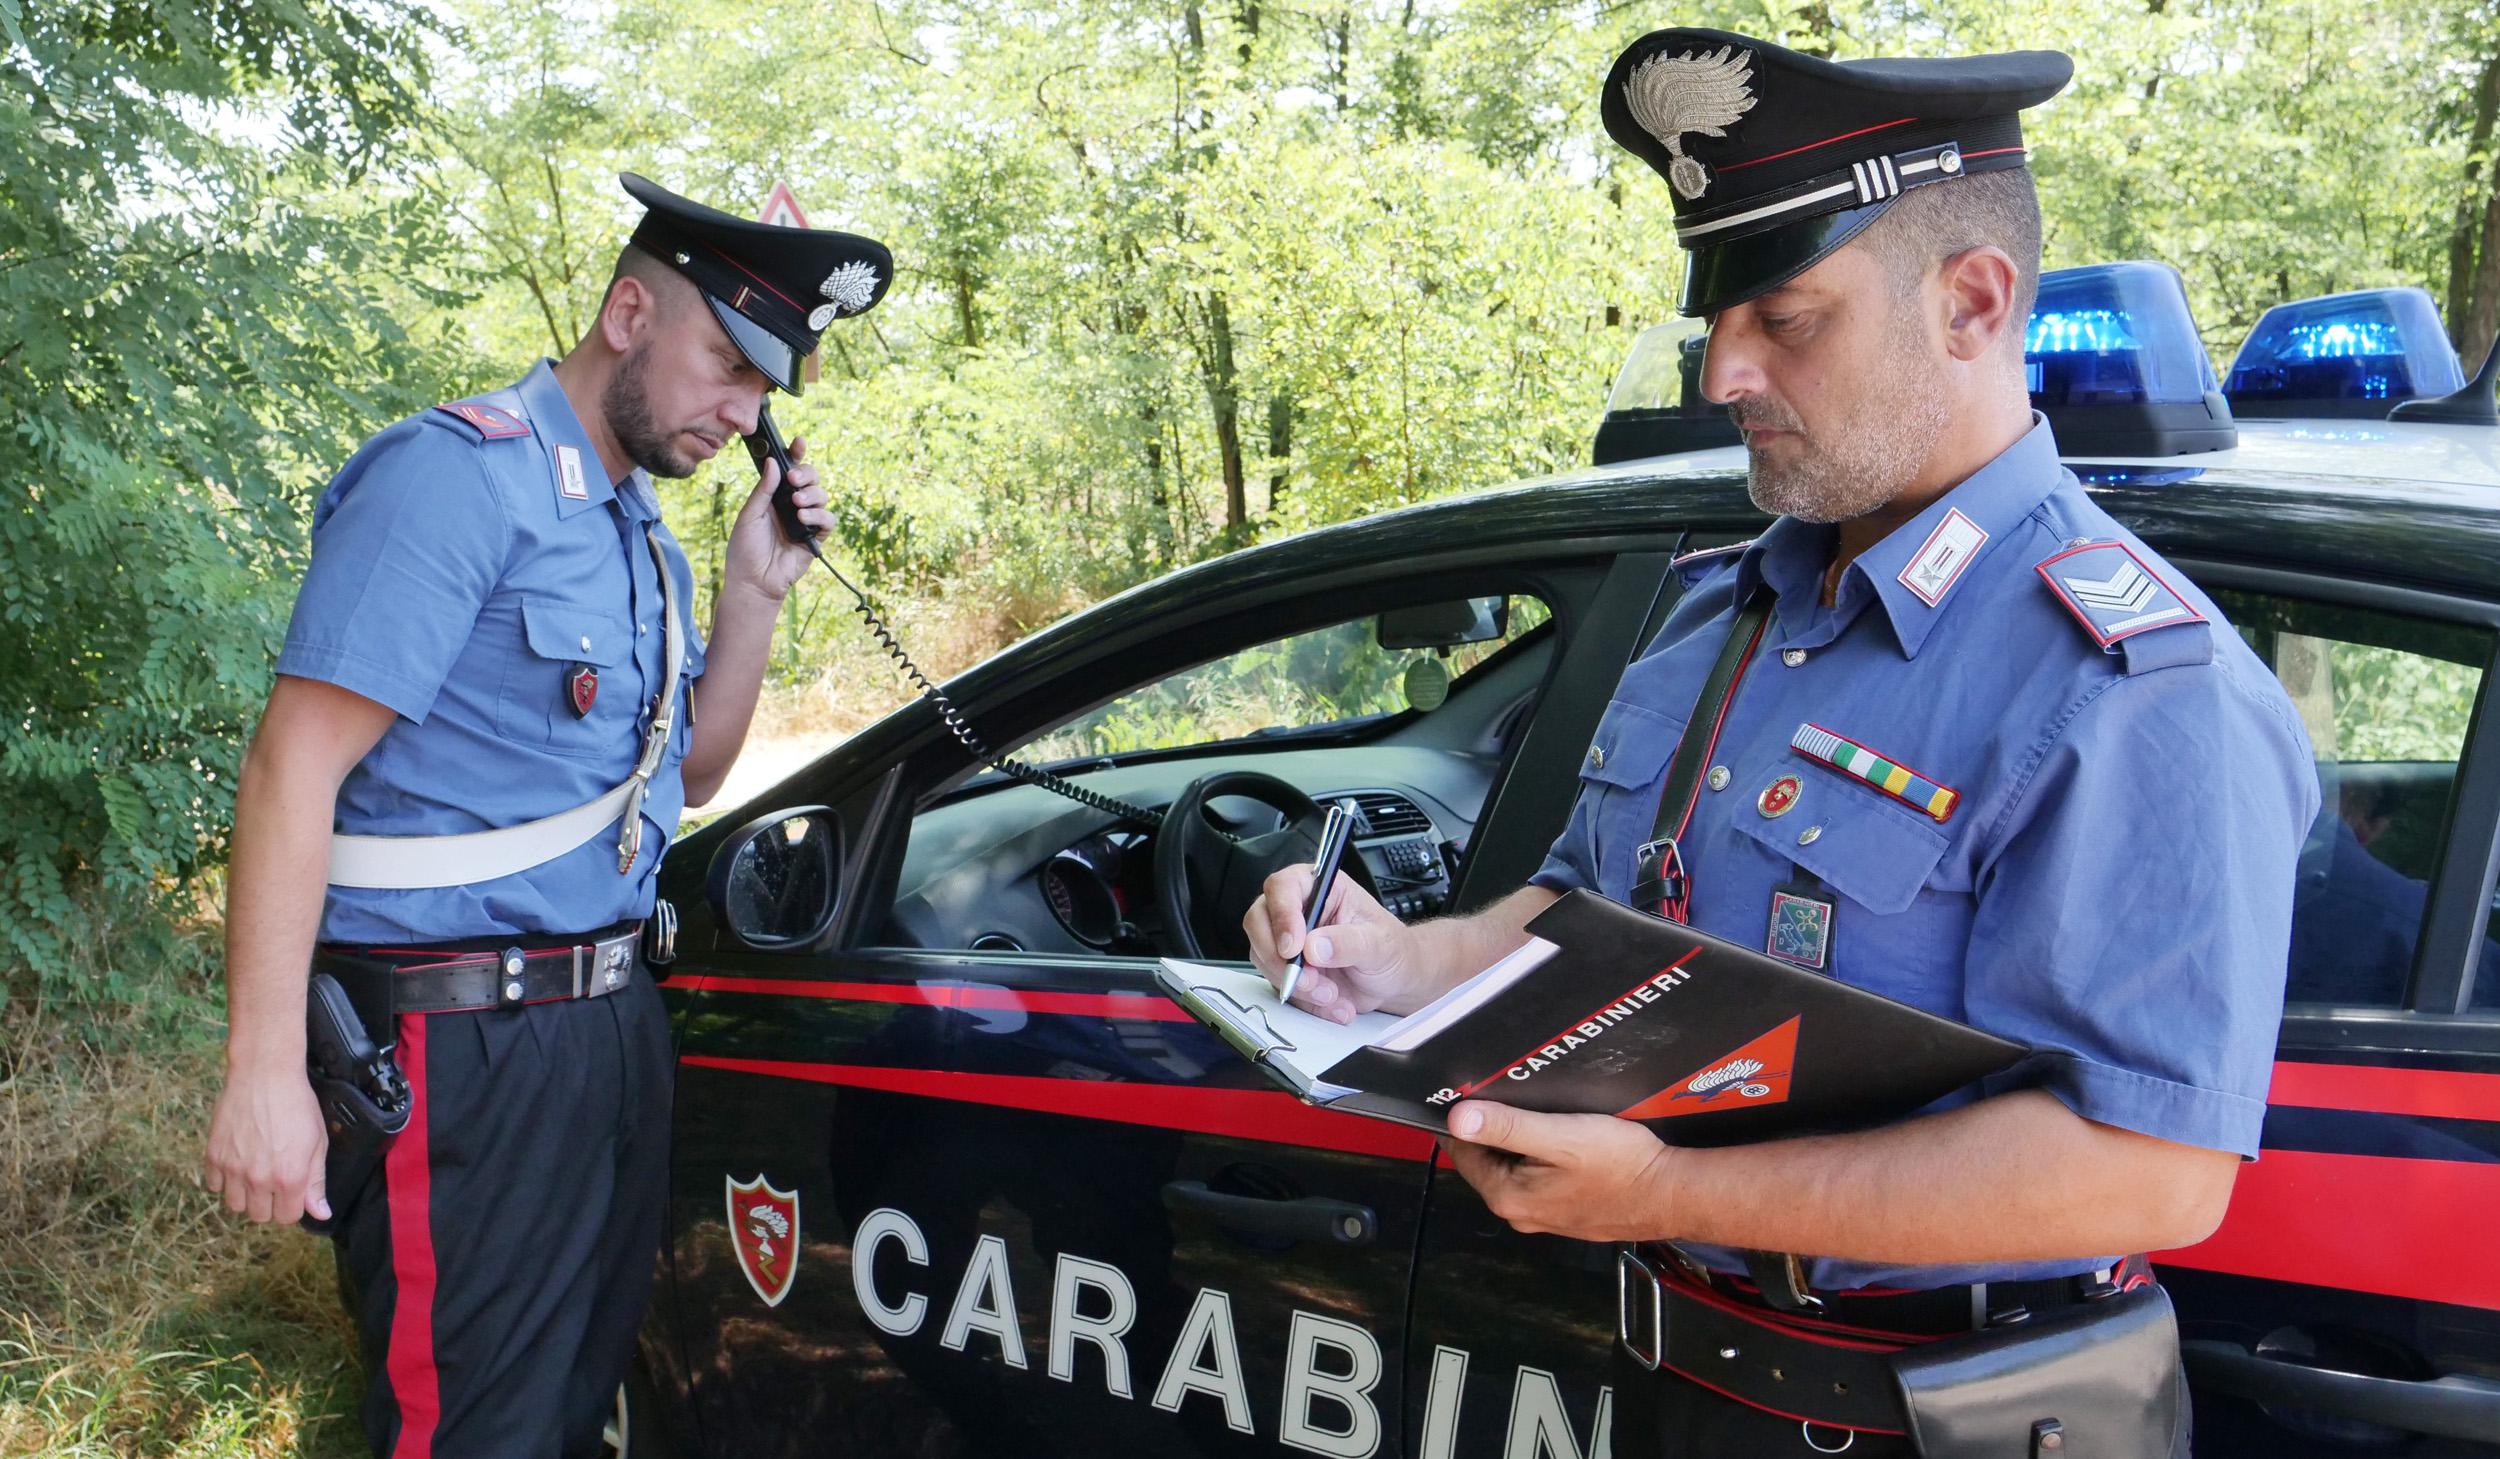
774, 289
1774, 158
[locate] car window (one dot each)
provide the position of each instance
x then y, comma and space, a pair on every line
1329, 675
2387, 700
993, 874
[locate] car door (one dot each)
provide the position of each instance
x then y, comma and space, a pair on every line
2350, 1302
1035, 1209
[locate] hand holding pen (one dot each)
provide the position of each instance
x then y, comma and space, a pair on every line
1334, 833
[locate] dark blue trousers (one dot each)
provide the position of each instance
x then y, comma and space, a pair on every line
498, 1252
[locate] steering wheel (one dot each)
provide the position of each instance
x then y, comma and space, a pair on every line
1206, 878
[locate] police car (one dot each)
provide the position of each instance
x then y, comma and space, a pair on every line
951, 1177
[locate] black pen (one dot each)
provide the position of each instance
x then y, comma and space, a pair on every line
1334, 833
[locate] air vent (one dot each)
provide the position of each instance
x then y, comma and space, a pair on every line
1384, 813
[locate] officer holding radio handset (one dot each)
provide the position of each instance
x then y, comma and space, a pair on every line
490, 708
1946, 731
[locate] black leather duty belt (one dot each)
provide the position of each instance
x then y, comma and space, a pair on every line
461, 977
1830, 1371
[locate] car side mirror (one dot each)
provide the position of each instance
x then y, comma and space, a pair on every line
1443, 625
774, 882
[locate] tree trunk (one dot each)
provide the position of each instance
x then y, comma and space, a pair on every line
1224, 399
1216, 359
2474, 246
1279, 445
965, 315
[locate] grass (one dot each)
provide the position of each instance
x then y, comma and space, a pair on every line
138, 1317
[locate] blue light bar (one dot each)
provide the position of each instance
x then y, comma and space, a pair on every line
2344, 356
2116, 365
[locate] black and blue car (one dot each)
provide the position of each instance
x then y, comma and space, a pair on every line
951, 1177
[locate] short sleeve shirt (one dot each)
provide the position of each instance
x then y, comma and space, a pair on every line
2109, 874
469, 568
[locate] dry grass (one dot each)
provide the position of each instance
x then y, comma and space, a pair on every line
136, 1316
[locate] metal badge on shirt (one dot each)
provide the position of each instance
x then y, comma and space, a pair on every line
1802, 914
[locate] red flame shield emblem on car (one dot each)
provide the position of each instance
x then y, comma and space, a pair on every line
1755, 1074
764, 1227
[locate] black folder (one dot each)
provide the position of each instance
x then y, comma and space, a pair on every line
1608, 1010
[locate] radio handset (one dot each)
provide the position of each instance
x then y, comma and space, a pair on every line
765, 444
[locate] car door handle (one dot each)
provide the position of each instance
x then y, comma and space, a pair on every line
2450, 1407
1305, 1218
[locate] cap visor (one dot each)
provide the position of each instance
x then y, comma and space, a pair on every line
1722, 275
764, 349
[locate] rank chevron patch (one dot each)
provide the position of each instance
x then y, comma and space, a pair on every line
2113, 593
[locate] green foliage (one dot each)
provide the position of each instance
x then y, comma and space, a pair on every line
1173, 277
200, 302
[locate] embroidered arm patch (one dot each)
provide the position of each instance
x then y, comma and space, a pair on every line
2113, 593
490, 422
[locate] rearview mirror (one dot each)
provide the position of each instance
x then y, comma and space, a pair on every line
1443, 625
773, 882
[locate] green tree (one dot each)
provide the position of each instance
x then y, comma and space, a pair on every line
207, 302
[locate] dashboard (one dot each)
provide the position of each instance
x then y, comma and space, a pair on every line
1017, 869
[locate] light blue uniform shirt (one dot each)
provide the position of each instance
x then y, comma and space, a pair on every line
2114, 884
454, 581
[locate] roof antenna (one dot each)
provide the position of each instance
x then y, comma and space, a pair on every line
2475, 405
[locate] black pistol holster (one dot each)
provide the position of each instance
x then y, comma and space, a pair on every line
2100, 1378
364, 1098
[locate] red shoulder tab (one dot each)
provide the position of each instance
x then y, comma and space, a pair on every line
490, 422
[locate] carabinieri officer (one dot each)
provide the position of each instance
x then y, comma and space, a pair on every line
490, 708
1946, 731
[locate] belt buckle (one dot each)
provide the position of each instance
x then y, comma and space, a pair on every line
1660, 862
1627, 1262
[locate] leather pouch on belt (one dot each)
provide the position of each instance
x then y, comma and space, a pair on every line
2100, 1378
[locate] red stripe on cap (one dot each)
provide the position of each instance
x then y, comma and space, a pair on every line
407, 1177
1810, 146
2362, 1223
2445, 1094
1241, 1114
1097, 1005
760, 281
1991, 152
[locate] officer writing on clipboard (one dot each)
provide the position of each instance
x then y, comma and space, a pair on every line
490, 708
1946, 731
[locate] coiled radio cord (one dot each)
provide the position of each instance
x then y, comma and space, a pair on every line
961, 728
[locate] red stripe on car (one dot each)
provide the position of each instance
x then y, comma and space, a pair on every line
1148, 1006
2364, 1223
1242, 1114
2430, 1093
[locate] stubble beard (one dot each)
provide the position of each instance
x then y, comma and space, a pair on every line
1854, 465
627, 404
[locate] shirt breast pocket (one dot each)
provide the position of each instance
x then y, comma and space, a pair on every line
1861, 843
1619, 782
546, 699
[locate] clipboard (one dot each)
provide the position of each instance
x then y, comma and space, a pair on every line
1606, 1010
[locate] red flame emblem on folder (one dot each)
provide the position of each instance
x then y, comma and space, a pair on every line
1756, 1074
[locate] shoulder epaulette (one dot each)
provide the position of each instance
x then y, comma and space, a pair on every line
489, 422
2116, 595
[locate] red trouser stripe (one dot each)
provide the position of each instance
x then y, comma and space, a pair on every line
408, 1178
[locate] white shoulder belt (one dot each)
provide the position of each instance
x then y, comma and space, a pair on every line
405, 863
